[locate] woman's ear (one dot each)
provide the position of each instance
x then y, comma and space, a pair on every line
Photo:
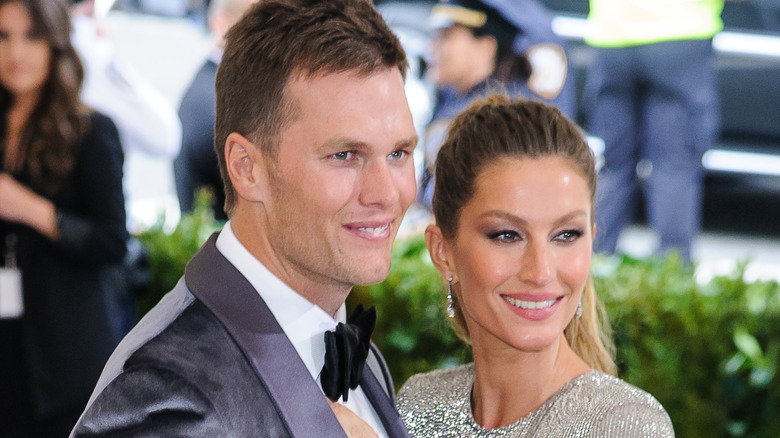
440, 252
247, 168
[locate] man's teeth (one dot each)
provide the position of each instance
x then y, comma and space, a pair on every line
529, 304
375, 231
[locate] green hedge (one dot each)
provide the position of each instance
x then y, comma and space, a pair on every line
708, 353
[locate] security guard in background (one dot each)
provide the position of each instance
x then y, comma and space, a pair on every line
484, 46
651, 96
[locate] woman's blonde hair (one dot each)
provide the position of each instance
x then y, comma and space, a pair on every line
496, 128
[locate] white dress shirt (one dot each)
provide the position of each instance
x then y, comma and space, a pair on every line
304, 323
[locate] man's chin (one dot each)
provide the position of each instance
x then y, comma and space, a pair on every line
368, 275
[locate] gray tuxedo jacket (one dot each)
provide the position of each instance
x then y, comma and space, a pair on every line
210, 360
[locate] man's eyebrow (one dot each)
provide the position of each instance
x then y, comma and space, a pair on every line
357, 145
407, 143
343, 143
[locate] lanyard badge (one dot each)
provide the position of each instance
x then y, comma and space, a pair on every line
11, 301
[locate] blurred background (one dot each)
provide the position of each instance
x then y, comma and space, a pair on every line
703, 339
165, 42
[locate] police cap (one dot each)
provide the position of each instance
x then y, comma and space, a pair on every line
475, 15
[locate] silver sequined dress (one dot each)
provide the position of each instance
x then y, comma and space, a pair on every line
597, 405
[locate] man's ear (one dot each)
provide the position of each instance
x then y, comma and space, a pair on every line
247, 168
440, 253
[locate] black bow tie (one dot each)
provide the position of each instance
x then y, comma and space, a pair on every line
346, 350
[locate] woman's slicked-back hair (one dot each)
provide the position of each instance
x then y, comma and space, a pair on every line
498, 128
277, 41
495, 128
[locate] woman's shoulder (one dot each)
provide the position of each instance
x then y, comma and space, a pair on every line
99, 122
614, 406
436, 388
427, 384
101, 133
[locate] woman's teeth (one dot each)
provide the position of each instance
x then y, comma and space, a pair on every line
533, 305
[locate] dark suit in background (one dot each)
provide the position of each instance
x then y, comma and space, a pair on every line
196, 166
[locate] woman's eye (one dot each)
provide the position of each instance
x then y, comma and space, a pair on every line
504, 236
569, 235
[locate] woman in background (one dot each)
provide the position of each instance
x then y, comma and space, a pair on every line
513, 203
62, 224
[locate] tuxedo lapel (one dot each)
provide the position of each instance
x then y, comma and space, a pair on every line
383, 405
299, 401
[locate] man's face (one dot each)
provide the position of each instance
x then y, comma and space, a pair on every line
342, 178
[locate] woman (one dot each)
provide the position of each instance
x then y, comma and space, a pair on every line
514, 227
483, 45
62, 223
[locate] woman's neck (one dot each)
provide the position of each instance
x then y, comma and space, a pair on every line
510, 384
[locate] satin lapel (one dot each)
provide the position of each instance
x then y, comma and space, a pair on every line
299, 401
384, 407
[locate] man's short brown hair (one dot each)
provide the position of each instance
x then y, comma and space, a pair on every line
276, 41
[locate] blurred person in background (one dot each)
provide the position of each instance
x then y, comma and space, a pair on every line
488, 45
62, 224
147, 122
196, 166
651, 95
513, 204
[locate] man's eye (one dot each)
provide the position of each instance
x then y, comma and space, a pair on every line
346, 155
397, 155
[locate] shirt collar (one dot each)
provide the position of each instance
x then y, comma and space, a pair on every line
303, 322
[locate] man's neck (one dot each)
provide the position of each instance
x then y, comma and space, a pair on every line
324, 292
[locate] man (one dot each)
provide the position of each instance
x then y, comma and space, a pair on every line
651, 94
196, 166
314, 138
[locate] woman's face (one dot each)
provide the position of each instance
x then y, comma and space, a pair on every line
456, 54
25, 55
522, 253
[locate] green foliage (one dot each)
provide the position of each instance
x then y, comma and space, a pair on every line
170, 250
412, 330
709, 354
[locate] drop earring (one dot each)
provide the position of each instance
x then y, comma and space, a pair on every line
450, 308
579, 310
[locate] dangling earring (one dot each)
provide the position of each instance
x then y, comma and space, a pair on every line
450, 308
579, 310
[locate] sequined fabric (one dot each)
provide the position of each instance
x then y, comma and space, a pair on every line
436, 405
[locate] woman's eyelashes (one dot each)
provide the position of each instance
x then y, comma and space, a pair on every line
503, 236
509, 235
570, 235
